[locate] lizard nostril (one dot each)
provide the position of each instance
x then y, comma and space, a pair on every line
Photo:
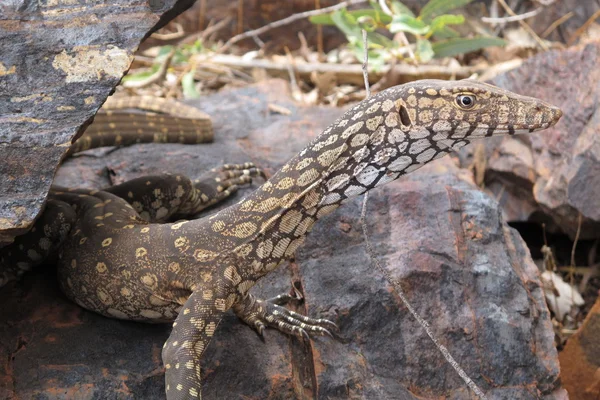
404, 117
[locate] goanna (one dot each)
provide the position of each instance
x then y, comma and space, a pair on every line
115, 262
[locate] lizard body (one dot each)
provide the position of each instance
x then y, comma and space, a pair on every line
176, 123
120, 265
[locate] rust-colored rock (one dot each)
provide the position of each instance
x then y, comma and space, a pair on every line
554, 175
580, 359
462, 267
59, 60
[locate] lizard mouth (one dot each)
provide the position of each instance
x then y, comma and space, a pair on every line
543, 117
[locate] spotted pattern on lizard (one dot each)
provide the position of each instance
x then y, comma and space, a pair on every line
117, 264
176, 123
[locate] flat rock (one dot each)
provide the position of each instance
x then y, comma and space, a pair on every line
59, 60
553, 176
462, 268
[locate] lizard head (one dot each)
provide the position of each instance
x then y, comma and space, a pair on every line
397, 131
404, 127
469, 109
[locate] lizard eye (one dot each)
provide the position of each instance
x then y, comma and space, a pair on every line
465, 101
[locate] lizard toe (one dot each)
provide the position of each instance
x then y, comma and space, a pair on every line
260, 313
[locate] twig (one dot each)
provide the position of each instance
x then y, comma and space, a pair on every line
390, 279
583, 27
346, 73
424, 324
201, 14
579, 220
572, 265
240, 17
155, 77
294, 88
202, 35
515, 18
304, 51
258, 42
524, 25
365, 65
557, 23
276, 108
290, 68
179, 33
286, 21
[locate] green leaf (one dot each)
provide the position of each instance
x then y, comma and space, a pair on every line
189, 86
323, 19
445, 33
141, 76
424, 50
164, 51
398, 8
453, 47
440, 22
437, 7
377, 39
406, 23
347, 24
326, 19
367, 23
180, 56
377, 57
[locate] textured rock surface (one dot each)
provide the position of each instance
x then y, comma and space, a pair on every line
463, 269
59, 60
554, 175
580, 359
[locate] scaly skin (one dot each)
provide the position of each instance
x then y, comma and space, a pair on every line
177, 123
118, 265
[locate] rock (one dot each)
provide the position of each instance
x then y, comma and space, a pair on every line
554, 175
463, 269
59, 60
580, 359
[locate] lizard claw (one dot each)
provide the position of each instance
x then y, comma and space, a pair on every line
258, 313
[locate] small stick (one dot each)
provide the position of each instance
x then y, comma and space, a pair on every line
210, 29
240, 17
515, 18
557, 23
424, 324
365, 65
286, 21
202, 14
583, 27
572, 266
179, 33
579, 220
524, 25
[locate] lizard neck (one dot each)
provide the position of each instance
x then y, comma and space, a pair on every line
367, 147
